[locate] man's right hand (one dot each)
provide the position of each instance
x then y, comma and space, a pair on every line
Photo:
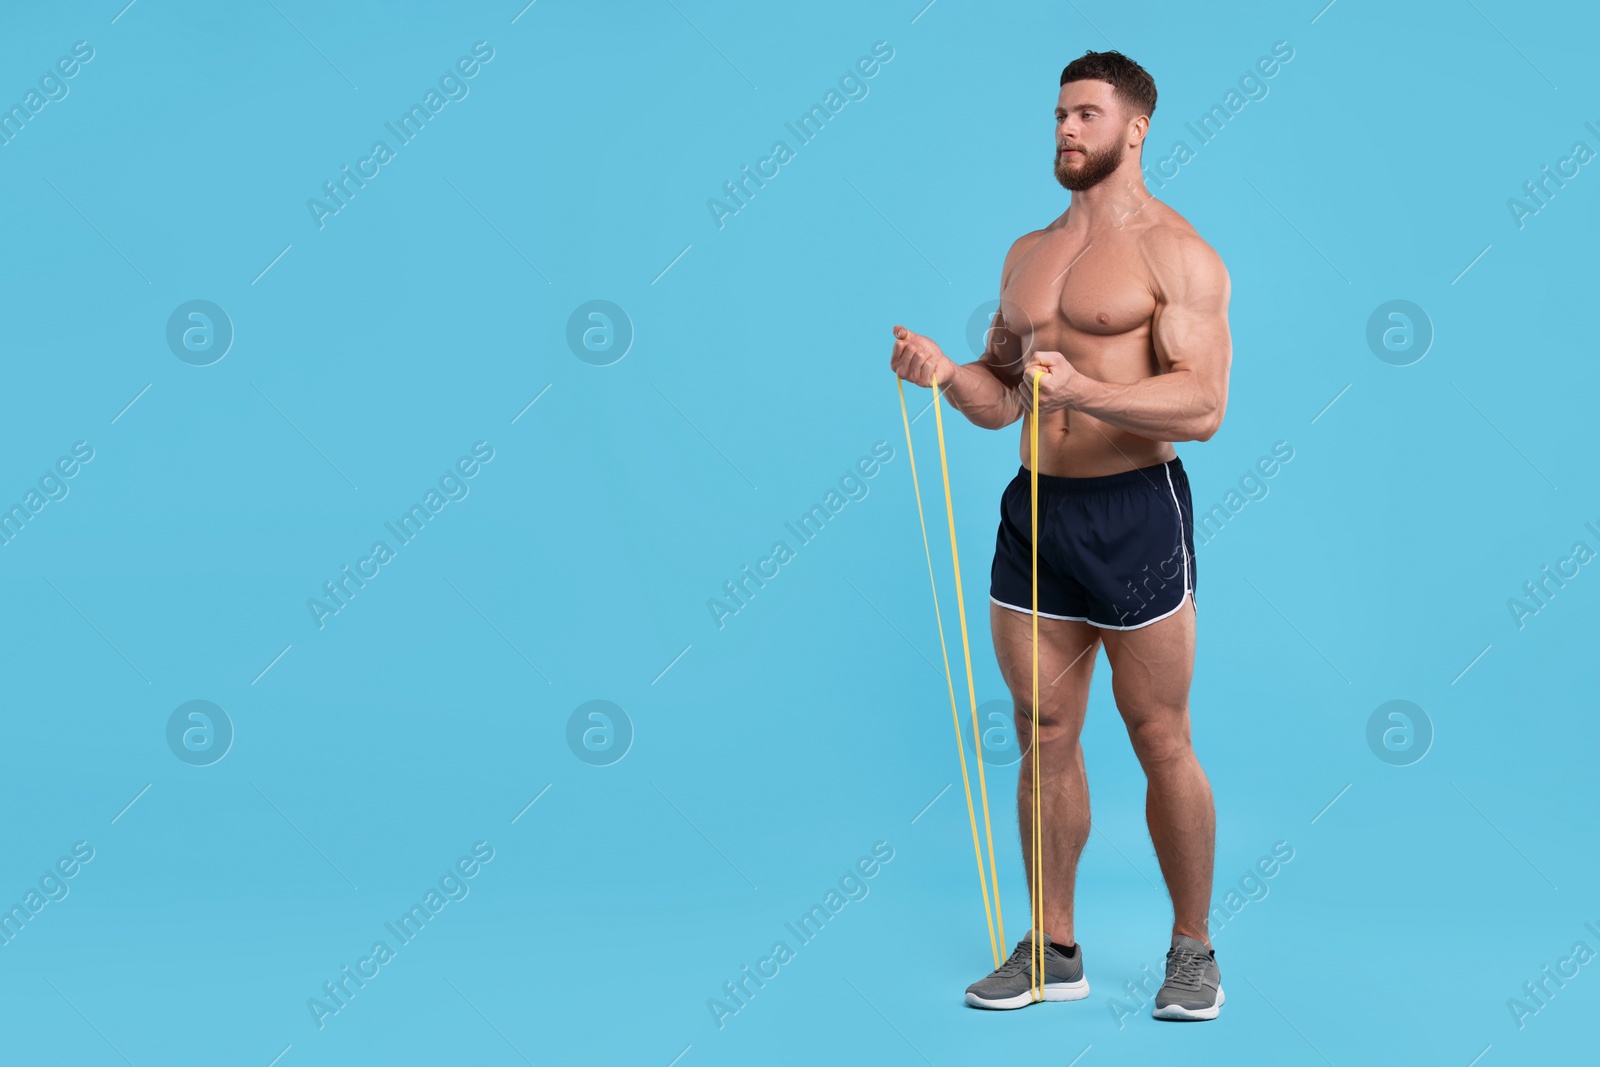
917, 359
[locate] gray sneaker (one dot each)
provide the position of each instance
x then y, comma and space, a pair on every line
1011, 984
1193, 989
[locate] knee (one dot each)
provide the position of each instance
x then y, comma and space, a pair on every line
1160, 739
1057, 730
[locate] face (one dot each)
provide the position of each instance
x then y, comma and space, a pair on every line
1091, 134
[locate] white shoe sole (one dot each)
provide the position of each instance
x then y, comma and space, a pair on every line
1177, 1011
1052, 991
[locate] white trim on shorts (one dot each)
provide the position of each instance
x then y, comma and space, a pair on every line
1188, 594
1183, 546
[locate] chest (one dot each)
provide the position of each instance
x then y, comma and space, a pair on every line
1093, 284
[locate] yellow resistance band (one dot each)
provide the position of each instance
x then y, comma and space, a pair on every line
991, 909
1038, 832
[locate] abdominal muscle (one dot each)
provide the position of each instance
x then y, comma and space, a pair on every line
1075, 445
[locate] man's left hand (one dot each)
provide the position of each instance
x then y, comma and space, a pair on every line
1061, 387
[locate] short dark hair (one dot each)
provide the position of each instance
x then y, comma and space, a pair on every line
1132, 83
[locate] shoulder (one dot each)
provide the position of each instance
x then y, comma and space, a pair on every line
1181, 263
1020, 248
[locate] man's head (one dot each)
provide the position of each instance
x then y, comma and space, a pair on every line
1103, 111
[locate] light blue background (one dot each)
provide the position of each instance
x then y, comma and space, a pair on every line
773, 752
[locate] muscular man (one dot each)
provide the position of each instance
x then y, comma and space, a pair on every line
1124, 309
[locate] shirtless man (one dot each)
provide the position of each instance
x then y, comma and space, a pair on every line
1124, 309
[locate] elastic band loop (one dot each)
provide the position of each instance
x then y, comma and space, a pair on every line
990, 909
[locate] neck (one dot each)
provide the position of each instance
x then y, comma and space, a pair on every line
1120, 195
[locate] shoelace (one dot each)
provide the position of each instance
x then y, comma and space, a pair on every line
1021, 959
1186, 967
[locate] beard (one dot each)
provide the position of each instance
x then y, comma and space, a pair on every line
1095, 168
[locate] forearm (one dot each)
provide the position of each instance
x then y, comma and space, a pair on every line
984, 399
1167, 407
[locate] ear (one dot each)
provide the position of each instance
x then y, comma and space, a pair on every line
1137, 129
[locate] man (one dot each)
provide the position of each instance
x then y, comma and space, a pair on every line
1124, 310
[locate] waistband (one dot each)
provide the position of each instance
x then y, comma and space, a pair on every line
1156, 474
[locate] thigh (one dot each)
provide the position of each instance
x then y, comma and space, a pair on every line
1151, 668
1066, 663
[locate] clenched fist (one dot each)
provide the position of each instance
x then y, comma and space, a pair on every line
918, 359
1059, 388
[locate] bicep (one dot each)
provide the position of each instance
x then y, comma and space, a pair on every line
1190, 327
1003, 352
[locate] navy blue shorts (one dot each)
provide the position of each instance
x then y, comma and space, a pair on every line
1116, 551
